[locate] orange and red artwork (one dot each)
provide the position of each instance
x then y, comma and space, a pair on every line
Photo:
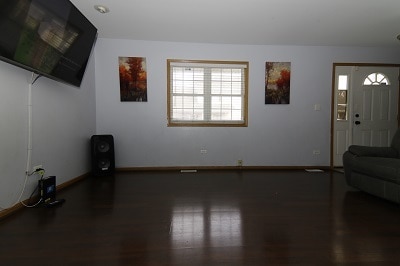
133, 79
277, 82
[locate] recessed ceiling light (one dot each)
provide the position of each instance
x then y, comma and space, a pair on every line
102, 9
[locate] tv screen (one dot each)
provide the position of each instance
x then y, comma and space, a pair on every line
49, 37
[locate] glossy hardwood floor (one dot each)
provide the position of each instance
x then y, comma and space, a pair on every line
207, 218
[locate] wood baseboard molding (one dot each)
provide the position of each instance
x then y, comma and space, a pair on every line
188, 168
9, 211
72, 181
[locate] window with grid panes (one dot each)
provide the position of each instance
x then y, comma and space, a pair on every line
207, 93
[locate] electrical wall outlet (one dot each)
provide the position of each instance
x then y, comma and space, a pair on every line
38, 170
203, 151
239, 162
316, 152
35, 168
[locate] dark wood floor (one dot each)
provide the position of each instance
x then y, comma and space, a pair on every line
207, 218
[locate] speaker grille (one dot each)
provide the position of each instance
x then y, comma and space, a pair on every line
103, 146
104, 164
102, 151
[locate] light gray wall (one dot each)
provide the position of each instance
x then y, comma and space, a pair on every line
63, 121
277, 135
65, 117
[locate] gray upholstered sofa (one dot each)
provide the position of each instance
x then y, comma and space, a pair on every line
375, 170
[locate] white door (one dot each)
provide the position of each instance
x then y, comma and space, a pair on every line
375, 97
366, 107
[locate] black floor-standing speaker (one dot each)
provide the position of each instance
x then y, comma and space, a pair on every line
102, 151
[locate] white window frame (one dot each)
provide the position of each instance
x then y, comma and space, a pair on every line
196, 104
375, 78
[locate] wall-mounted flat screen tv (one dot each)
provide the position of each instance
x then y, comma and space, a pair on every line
49, 37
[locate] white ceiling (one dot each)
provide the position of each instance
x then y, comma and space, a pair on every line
259, 22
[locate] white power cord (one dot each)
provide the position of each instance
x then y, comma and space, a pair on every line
34, 78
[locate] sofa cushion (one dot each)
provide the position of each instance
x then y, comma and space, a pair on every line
396, 142
385, 168
388, 152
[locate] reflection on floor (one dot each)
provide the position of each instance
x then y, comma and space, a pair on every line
207, 218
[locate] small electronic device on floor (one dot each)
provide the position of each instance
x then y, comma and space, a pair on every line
47, 190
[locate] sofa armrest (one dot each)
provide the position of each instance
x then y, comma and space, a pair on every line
359, 150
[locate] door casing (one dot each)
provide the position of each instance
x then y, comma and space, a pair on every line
333, 97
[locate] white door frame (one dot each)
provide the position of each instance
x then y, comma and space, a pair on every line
333, 99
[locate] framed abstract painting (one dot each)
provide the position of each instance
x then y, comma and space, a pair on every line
133, 79
277, 82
